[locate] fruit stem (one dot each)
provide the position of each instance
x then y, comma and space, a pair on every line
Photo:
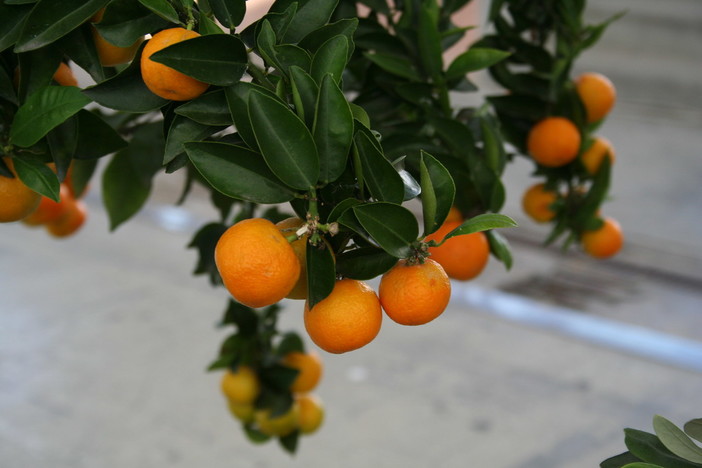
260, 76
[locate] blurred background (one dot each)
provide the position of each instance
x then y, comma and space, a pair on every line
105, 337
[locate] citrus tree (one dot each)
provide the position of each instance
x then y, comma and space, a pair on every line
331, 146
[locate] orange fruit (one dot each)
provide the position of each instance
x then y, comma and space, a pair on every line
462, 257
50, 211
454, 215
64, 75
597, 93
257, 264
311, 413
70, 222
349, 318
554, 141
281, 425
240, 386
164, 81
605, 241
110, 54
17, 201
288, 227
537, 202
242, 412
593, 156
309, 366
415, 294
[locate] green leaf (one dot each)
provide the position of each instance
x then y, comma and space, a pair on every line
126, 181
392, 226
163, 9
641, 465
330, 58
289, 55
344, 27
482, 222
237, 172
244, 318
438, 192
320, 284
676, 440
36, 175
381, 178
208, 26
333, 130
254, 435
204, 241
394, 64
229, 12
305, 92
290, 343
649, 448
96, 138
474, 59
50, 20
43, 111
126, 21
693, 428
364, 263
82, 171
79, 46
11, 21
126, 91
62, 142
37, 69
237, 99
182, 130
311, 15
218, 59
429, 40
499, 246
285, 142
208, 109
341, 207
7, 89
619, 460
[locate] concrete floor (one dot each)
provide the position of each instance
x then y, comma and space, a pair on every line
104, 337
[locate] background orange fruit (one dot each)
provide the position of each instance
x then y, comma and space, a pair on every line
599, 149
415, 294
605, 241
597, 93
70, 221
278, 425
310, 368
311, 413
349, 318
288, 227
17, 201
462, 257
164, 81
64, 75
554, 141
50, 211
257, 264
240, 386
537, 201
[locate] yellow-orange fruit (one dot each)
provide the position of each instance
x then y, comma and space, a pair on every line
311, 413
605, 241
17, 201
240, 386
599, 149
537, 203
597, 93
554, 142
309, 366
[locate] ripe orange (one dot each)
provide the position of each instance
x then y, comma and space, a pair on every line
416, 294
605, 241
17, 201
110, 54
288, 227
64, 75
454, 215
240, 386
537, 202
597, 93
278, 425
70, 221
50, 211
462, 257
310, 367
257, 264
165, 81
593, 156
554, 141
311, 413
347, 319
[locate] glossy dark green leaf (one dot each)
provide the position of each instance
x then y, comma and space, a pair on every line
285, 142
183, 130
127, 179
290, 343
482, 222
62, 141
305, 91
310, 15
493, 151
237, 172
82, 171
218, 59
163, 9
11, 21
333, 130
474, 59
676, 440
429, 40
360, 115
43, 111
7, 88
619, 461
37, 69
229, 12
50, 20
649, 448
642, 465
520, 106
438, 192
204, 241
126, 91
330, 58
395, 64
36, 175
341, 207
392, 226
207, 26
266, 41
79, 46
693, 428
208, 109
320, 284
499, 246
289, 55
237, 101
126, 21
379, 176
96, 138
365, 263
344, 27
242, 317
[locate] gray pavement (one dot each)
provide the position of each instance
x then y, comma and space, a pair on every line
104, 337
